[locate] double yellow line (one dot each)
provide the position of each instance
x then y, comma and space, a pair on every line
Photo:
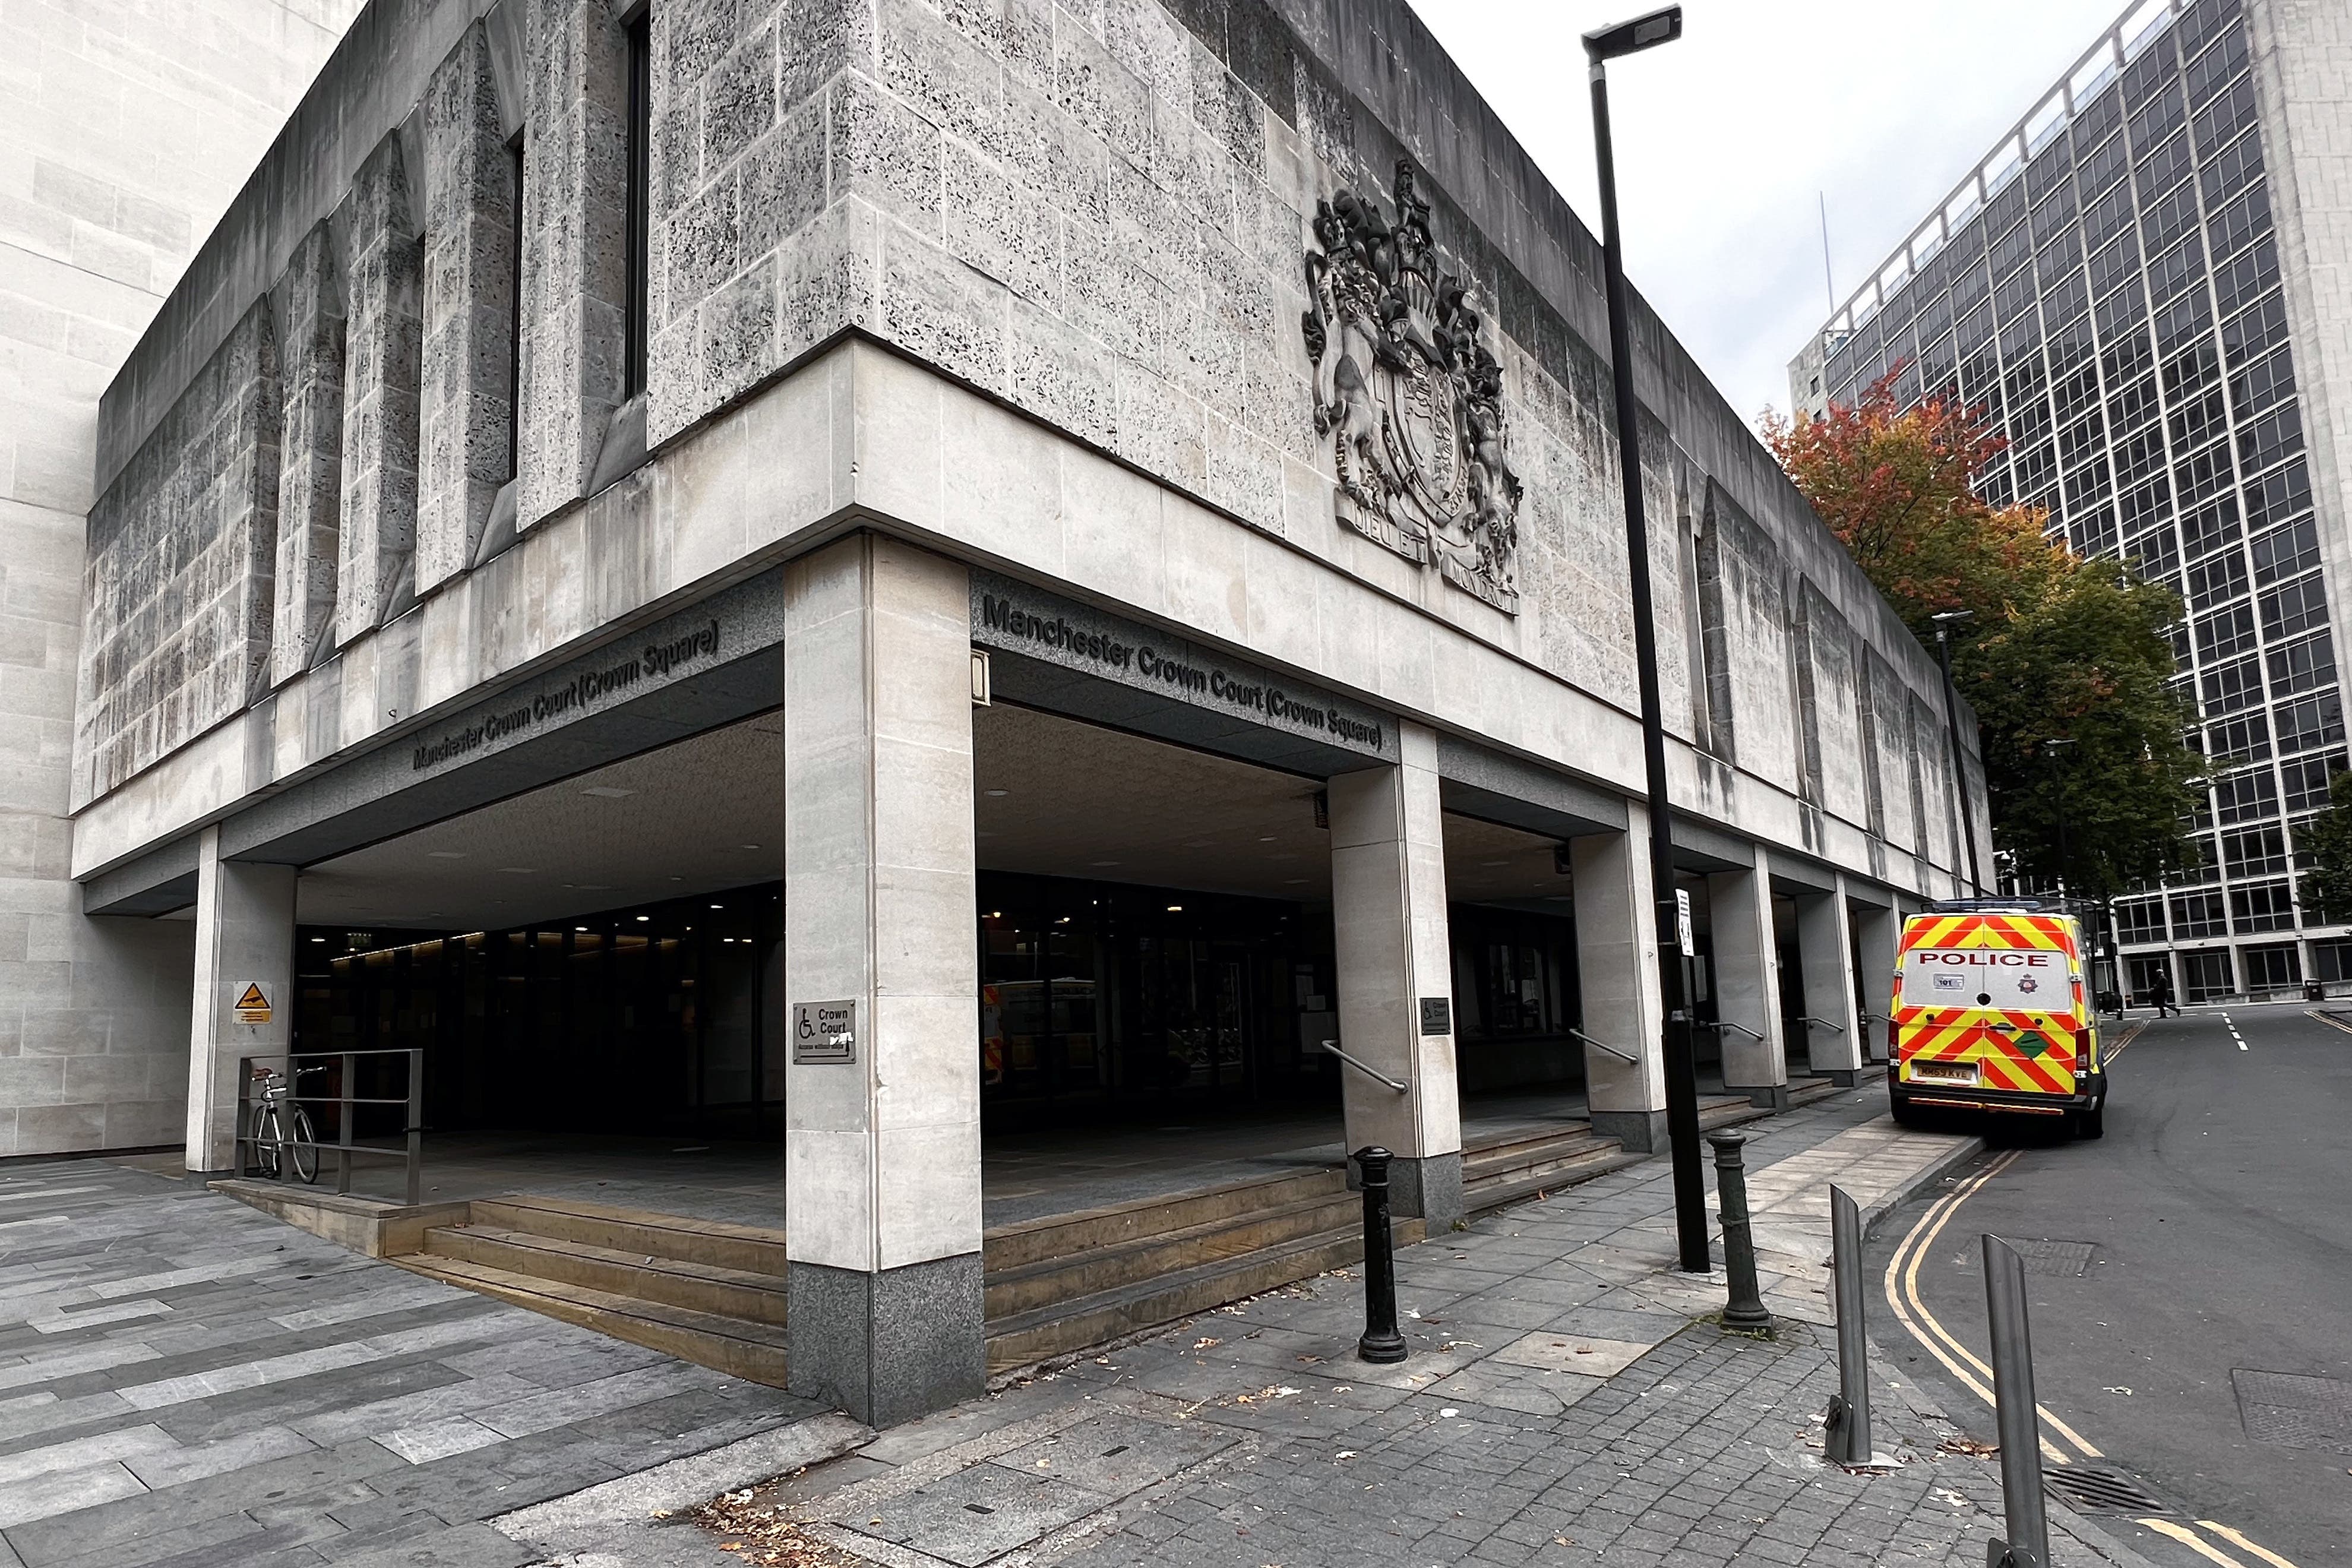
1911, 1311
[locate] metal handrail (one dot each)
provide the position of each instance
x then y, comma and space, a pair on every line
1828, 1024
1626, 1056
1722, 1024
1370, 1072
343, 1148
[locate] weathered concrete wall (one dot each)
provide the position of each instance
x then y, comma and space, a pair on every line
1098, 216
176, 596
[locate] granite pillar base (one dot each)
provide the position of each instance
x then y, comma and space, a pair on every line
1429, 1188
892, 1346
1642, 1131
1771, 1096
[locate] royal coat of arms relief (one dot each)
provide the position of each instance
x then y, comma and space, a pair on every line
1409, 394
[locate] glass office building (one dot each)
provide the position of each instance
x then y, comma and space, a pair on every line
2145, 316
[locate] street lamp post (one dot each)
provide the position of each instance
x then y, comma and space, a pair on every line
1602, 45
2050, 750
1945, 622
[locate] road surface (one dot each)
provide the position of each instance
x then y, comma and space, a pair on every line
2197, 1337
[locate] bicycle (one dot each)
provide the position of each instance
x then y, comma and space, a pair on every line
281, 1127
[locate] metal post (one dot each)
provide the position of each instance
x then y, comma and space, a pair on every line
415, 1128
1848, 1438
344, 1114
1960, 758
1745, 1310
2014, 1416
1681, 1074
1382, 1342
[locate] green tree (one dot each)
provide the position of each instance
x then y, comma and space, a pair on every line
2326, 843
2058, 648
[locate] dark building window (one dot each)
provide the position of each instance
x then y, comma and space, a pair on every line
2303, 666
2306, 780
2265, 906
2198, 914
2243, 797
2140, 920
640, 217
2312, 721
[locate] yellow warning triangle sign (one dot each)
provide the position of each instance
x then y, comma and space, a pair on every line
252, 996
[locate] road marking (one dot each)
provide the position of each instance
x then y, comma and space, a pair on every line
1912, 1312
2328, 1018
2191, 1540
2232, 1023
2234, 1538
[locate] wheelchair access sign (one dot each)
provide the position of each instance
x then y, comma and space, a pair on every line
825, 1032
252, 1005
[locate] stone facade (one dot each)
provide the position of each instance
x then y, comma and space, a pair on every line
310, 301
129, 130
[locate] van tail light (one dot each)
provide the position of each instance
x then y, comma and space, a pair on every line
1893, 1038
2082, 1047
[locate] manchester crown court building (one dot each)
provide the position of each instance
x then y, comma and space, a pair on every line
916, 584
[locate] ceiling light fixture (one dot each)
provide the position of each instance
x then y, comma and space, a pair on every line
606, 792
996, 794
444, 854
643, 918
1175, 909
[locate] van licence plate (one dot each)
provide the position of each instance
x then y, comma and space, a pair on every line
1963, 1073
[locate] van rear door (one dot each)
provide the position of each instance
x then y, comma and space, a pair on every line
1989, 1001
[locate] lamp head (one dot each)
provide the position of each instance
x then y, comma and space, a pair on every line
1660, 27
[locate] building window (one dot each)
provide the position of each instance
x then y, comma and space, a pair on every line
2205, 975
2256, 852
2243, 797
2307, 778
2198, 914
2273, 968
2140, 920
2312, 721
2265, 906
640, 217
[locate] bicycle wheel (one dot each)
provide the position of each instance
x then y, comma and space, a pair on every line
303, 1151
266, 1142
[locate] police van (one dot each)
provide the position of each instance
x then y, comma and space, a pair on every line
1991, 1014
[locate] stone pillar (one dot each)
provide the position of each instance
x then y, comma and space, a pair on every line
244, 936
575, 247
310, 455
384, 343
1878, 937
466, 415
1395, 974
1747, 984
1825, 954
881, 1149
1617, 971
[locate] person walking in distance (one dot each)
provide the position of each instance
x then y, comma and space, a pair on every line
2159, 991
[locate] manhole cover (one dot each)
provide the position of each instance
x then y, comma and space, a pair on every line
2094, 1490
2069, 1258
2294, 1411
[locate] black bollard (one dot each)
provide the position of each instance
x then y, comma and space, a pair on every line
1746, 1308
1382, 1342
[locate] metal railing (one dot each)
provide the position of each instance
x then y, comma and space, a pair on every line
346, 1147
1369, 1071
1628, 1057
1722, 1023
1832, 1025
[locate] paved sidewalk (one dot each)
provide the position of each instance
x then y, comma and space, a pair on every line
1565, 1401
185, 1381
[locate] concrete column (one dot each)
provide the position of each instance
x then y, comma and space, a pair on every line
244, 936
1825, 952
1394, 966
881, 1147
1617, 970
1747, 984
1878, 936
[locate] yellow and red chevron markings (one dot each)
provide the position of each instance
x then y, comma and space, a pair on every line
2038, 1060
2047, 933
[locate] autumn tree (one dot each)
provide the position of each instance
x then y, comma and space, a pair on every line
2065, 659
2326, 842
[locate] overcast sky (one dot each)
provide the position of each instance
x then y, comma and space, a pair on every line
1727, 141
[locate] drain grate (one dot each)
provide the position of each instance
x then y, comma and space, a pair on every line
2068, 1260
2095, 1490
2294, 1411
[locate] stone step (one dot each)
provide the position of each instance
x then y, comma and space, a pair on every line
1031, 1337
713, 1244
752, 1351
1066, 1235
1561, 1168
723, 1292
1502, 1191
1156, 1253
1491, 1159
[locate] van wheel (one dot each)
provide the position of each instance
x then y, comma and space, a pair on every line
2092, 1123
1906, 1115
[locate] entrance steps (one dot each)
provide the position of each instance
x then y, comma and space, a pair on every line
1062, 1284
1516, 1167
703, 1291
